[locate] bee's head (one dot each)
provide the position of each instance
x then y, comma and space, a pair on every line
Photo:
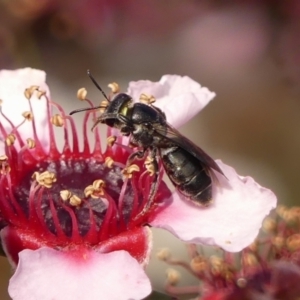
118, 105
111, 108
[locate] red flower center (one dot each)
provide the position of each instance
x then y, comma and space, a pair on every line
71, 198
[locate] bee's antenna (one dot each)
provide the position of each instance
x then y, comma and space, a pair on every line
97, 85
85, 109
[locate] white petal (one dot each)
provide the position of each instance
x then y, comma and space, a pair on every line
232, 221
12, 87
181, 98
48, 274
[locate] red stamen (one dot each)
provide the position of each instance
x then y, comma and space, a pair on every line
59, 231
37, 141
13, 129
66, 148
76, 238
121, 203
109, 224
38, 204
91, 236
19, 214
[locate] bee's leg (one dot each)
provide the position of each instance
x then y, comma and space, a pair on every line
115, 116
151, 164
140, 154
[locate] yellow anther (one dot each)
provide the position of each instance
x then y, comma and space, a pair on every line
278, 241
286, 214
114, 87
28, 115
229, 275
103, 105
35, 175
128, 171
250, 259
163, 254
75, 200
216, 260
148, 160
218, 266
199, 264
40, 94
109, 162
221, 268
149, 165
147, 99
27, 94
150, 168
173, 276
48, 180
29, 91
10, 139
111, 140
281, 210
293, 242
45, 179
65, 195
81, 94
30, 143
95, 190
1, 102
96, 195
88, 191
269, 225
98, 184
57, 120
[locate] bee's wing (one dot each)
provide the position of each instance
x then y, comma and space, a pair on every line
175, 137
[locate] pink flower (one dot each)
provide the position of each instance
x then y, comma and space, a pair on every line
70, 219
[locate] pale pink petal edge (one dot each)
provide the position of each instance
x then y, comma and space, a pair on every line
231, 222
49, 274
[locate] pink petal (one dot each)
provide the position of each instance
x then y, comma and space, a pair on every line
181, 98
232, 221
12, 87
54, 275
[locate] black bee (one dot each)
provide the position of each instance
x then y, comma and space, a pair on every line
189, 168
